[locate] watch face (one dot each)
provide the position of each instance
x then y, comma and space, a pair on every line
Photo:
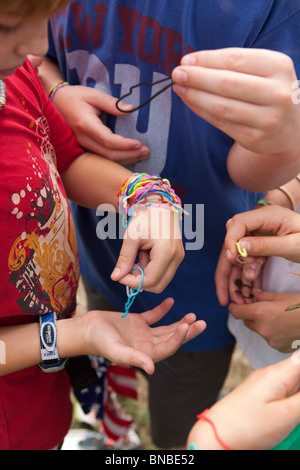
48, 336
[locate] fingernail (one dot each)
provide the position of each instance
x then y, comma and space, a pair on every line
245, 244
229, 254
188, 60
250, 274
180, 76
126, 106
144, 155
136, 146
180, 90
115, 272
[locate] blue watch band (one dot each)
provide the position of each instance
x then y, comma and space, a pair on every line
49, 353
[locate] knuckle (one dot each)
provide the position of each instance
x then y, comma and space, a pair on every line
257, 315
228, 223
282, 96
234, 58
234, 221
286, 63
216, 121
227, 85
220, 110
107, 143
79, 126
157, 289
230, 226
123, 258
155, 286
272, 121
253, 137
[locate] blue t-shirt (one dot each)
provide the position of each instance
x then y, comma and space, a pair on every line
112, 45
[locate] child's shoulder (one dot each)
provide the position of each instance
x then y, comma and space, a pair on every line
27, 68
27, 81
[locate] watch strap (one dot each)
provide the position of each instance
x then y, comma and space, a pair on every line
51, 361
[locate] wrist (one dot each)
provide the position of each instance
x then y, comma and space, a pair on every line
209, 432
278, 197
287, 195
57, 86
70, 337
203, 437
141, 189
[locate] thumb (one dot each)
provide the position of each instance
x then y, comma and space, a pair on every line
125, 264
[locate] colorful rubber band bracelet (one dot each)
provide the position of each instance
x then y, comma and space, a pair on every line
56, 87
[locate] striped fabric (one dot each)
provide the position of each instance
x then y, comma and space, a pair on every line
2, 94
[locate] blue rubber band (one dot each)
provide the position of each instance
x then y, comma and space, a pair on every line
193, 447
133, 293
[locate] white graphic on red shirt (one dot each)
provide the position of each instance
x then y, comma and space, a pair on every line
43, 260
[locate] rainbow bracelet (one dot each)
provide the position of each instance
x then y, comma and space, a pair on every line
139, 190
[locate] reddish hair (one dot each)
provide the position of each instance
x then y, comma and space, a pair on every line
27, 8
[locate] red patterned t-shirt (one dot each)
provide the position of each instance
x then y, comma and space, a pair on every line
39, 265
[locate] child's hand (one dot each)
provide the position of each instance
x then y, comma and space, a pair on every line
269, 318
258, 414
132, 340
283, 223
235, 281
81, 107
156, 233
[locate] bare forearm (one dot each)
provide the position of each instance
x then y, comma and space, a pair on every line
92, 180
261, 172
49, 74
21, 344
